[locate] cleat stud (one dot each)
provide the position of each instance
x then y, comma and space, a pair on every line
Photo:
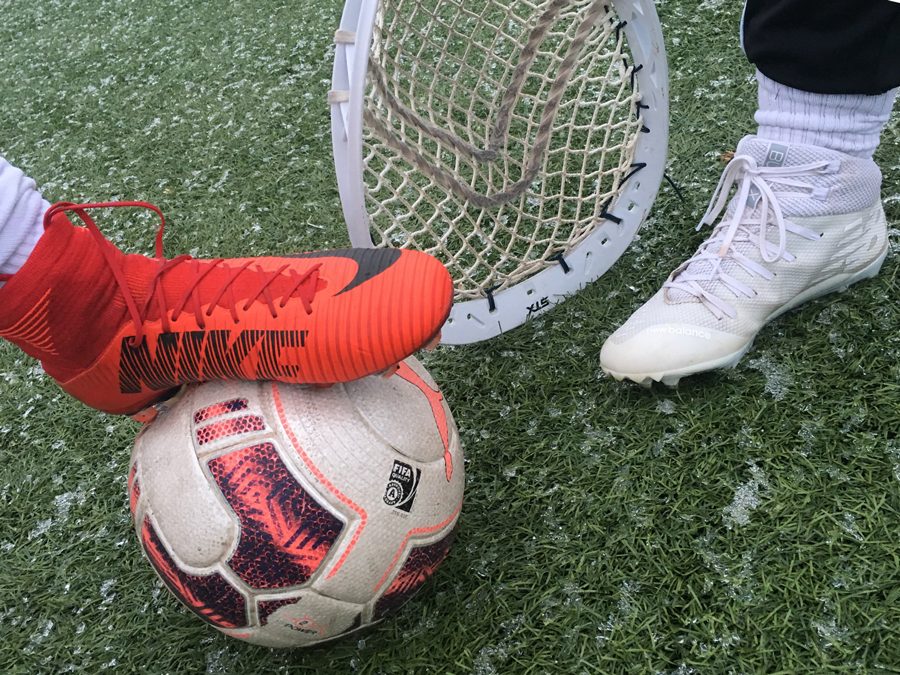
146, 415
152, 411
671, 381
391, 371
432, 345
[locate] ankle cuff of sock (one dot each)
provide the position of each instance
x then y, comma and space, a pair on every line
849, 123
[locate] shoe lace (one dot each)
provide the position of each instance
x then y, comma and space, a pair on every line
302, 286
756, 211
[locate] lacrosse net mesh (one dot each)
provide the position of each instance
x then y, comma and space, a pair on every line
496, 132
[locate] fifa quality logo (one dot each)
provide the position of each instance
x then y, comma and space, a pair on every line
401, 488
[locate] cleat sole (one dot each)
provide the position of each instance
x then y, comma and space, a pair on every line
672, 378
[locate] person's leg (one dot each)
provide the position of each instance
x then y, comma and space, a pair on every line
807, 217
827, 71
848, 123
22, 211
825, 46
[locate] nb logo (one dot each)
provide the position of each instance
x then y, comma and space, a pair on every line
776, 155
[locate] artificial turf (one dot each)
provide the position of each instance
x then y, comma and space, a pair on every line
745, 522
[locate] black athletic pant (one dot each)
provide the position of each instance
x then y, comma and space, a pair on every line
825, 46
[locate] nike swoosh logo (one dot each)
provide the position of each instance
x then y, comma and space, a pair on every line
370, 262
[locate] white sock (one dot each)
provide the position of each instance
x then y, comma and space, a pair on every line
849, 123
21, 217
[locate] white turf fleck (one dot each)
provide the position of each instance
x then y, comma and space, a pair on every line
738, 579
62, 504
747, 498
107, 593
626, 604
894, 233
218, 661
492, 656
40, 528
65, 501
848, 525
666, 406
778, 377
626, 609
893, 452
41, 634
682, 669
831, 634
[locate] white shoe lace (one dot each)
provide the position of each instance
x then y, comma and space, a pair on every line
748, 223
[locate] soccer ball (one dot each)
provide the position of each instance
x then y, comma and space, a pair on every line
287, 515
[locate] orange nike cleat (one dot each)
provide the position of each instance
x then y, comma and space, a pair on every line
121, 332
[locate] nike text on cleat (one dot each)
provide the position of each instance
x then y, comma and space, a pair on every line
121, 332
805, 221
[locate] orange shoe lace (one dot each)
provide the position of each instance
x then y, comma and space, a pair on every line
303, 286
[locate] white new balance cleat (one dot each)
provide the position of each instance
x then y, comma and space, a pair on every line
805, 221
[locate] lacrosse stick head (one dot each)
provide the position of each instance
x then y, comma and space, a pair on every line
520, 142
